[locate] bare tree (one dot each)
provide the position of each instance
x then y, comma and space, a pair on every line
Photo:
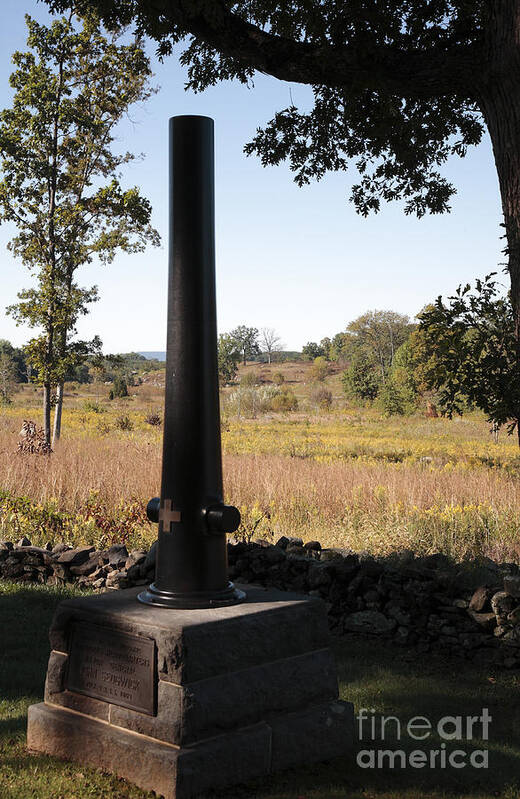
270, 342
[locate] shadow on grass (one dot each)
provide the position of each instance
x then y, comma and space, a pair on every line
25, 617
14, 725
387, 680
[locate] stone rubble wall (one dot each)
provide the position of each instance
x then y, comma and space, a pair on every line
469, 609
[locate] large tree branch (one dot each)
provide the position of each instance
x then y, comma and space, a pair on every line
408, 73
448, 68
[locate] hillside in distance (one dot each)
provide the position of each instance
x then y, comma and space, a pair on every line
158, 356
287, 355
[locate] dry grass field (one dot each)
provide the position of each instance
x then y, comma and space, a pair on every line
349, 477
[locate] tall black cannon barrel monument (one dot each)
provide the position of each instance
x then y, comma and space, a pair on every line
191, 566
192, 683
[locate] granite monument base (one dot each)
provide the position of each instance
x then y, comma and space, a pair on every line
181, 701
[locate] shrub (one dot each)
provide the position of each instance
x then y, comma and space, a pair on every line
245, 402
361, 381
120, 387
278, 378
284, 400
248, 402
153, 419
250, 379
93, 407
321, 397
392, 399
124, 423
32, 439
319, 369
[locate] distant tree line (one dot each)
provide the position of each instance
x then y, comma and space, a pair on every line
458, 355
13, 369
121, 369
248, 344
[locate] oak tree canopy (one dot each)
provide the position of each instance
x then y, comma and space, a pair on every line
398, 87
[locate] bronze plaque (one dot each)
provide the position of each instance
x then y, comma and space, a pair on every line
116, 667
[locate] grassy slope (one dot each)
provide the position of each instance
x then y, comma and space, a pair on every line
391, 681
297, 376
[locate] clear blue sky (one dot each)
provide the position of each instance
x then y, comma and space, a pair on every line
298, 260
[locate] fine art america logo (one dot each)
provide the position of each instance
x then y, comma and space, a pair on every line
449, 730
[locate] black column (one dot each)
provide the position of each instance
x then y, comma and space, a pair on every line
191, 561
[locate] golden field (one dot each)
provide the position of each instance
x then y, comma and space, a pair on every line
348, 478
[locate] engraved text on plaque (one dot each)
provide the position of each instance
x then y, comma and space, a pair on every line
116, 667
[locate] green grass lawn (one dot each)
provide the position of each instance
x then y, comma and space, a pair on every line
389, 680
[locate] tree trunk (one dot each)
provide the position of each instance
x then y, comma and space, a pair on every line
499, 100
47, 412
57, 414
50, 331
62, 351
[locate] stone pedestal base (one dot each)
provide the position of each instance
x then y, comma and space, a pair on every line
181, 701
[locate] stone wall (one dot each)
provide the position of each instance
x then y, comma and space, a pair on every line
469, 609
